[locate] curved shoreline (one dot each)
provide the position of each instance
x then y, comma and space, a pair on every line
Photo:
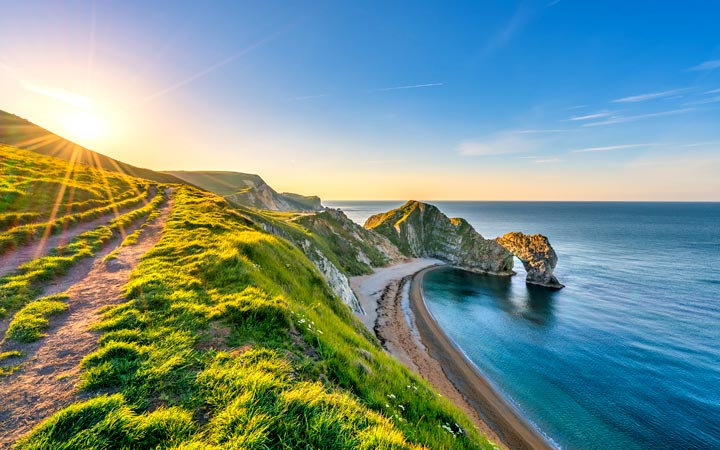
511, 427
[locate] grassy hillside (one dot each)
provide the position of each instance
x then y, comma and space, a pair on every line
219, 182
244, 189
338, 238
21, 133
230, 338
40, 195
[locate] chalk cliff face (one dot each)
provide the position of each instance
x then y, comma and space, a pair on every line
536, 254
358, 249
245, 189
336, 245
422, 230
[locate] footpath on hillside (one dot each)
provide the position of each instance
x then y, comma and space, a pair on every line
48, 377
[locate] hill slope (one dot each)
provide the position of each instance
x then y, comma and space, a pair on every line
248, 190
22, 133
226, 336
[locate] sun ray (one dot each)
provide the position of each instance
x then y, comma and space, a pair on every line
108, 189
69, 203
56, 205
35, 142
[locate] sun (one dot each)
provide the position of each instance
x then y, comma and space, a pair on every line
83, 125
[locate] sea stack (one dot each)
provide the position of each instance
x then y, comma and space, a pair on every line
536, 254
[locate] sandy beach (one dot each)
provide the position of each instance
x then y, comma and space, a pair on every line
396, 313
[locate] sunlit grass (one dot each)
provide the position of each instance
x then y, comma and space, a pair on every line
40, 196
26, 283
293, 367
30, 322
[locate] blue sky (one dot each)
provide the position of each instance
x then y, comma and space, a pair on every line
534, 100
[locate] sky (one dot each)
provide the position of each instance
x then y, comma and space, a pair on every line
476, 100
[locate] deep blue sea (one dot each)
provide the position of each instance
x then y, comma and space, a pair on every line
627, 356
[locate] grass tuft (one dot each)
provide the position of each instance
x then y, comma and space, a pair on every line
30, 322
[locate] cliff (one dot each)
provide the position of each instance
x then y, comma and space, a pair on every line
337, 246
536, 254
358, 249
250, 190
422, 230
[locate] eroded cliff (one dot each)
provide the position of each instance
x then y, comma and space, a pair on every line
422, 230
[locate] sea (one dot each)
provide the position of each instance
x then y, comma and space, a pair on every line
627, 355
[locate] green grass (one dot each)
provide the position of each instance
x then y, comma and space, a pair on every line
10, 354
24, 234
9, 369
244, 189
336, 239
21, 133
29, 323
40, 195
230, 338
19, 288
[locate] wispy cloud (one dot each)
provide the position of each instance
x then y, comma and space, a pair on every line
547, 161
701, 144
714, 91
649, 96
497, 144
560, 130
707, 65
310, 97
68, 97
610, 148
410, 86
623, 119
517, 22
220, 64
705, 101
597, 115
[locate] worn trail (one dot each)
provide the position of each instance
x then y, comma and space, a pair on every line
12, 259
48, 378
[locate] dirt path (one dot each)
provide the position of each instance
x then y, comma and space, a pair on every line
12, 259
47, 380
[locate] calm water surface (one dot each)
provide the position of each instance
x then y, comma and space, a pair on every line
627, 356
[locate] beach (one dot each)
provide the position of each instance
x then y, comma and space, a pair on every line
396, 313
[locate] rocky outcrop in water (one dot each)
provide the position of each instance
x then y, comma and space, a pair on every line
537, 256
421, 230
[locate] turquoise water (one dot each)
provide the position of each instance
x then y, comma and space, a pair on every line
627, 356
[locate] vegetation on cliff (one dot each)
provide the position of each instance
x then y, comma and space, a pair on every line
231, 338
422, 230
244, 189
